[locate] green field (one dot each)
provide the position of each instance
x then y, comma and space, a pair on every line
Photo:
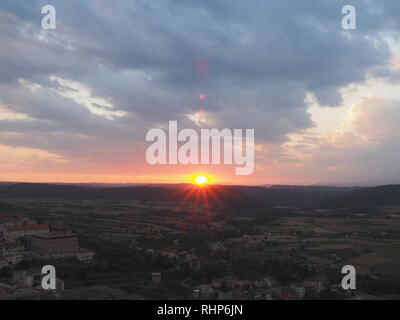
390, 270
388, 252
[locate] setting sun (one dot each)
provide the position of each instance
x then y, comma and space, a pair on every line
201, 180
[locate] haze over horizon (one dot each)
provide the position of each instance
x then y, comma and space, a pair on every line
122, 184
76, 102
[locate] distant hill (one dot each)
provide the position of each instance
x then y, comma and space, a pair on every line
98, 185
238, 200
229, 199
366, 199
295, 195
275, 195
313, 188
5, 183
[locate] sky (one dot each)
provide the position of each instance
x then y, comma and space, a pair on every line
76, 102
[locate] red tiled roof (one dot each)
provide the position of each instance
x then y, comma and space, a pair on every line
10, 245
27, 228
21, 214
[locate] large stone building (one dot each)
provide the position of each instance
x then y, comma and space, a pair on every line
59, 245
55, 244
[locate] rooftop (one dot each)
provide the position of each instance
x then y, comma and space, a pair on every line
26, 228
55, 235
11, 245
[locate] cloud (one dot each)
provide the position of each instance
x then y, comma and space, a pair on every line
109, 72
364, 151
377, 119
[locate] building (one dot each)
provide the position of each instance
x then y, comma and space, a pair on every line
314, 286
5, 220
196, 293
284, 293
156, 277
84, 255
12, 233
206, 291
55, 244
11, 253
170, 254
59, 245
192, 262
299, 289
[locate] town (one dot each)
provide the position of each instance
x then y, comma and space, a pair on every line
156, 250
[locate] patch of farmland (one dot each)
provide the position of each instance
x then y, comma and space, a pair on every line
390, 270
318, 260
369, 259
390, 252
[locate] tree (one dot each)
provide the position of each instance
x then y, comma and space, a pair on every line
5, 273
23, 265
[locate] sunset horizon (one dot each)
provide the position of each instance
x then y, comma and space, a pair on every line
191, 155
87, 117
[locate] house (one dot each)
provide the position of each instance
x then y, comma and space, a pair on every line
5, 220
196, 293
217, 248
299, 289
269, 283
315, 286
14, 232
206, 291
4, 291
193, 262
170, 254
217, 283
284, 293
156, 277
11, 253
84, 255
230, 283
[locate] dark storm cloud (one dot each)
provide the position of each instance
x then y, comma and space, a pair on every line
263, 57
